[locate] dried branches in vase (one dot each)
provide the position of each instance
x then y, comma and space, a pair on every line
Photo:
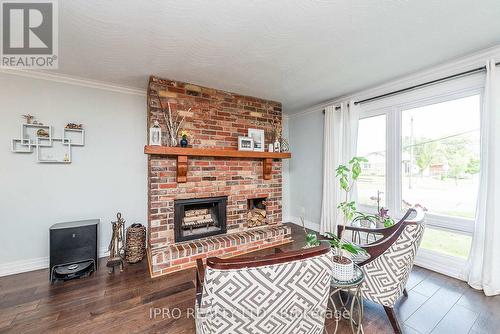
172, 122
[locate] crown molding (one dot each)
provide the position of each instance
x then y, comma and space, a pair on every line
444, 69
72, 80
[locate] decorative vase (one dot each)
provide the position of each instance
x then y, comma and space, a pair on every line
343, 268
277, 146
184, 142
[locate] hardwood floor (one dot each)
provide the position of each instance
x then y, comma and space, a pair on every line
126, 302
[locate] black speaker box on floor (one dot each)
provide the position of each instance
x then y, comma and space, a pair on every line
73, 249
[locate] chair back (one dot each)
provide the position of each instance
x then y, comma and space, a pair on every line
282, 293
387, 274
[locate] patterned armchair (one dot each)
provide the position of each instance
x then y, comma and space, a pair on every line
390, 261
281, 293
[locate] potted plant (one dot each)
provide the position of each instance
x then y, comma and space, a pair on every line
343, 265
184, 136
311, 238
379, 220
383, 218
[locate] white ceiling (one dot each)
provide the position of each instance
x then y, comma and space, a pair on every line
299, 52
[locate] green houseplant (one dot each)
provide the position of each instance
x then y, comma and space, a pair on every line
348, 175
311, 238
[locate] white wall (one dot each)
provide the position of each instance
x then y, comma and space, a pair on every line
306, 166
108, 175
286, 176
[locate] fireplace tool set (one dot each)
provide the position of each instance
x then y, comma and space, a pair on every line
131, 250
116, 245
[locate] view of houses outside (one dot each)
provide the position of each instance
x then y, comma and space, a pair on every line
372, 146
441, 163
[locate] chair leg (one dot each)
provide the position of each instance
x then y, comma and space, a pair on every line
392, 317
405, 293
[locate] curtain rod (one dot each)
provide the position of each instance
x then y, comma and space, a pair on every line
428, 83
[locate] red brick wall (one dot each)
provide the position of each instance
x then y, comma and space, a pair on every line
215, 120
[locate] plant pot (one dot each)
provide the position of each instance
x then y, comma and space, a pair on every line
184, 142
343, 268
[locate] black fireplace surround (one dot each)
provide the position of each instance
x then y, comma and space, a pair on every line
199, 218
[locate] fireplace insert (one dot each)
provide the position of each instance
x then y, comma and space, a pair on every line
199, 218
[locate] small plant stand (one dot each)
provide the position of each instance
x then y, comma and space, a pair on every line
351, 307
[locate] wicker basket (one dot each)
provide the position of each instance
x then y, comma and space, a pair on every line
343, 272
135, 249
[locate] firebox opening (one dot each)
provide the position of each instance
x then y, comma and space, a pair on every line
199, 218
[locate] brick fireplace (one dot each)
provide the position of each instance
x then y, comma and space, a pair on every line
209, 214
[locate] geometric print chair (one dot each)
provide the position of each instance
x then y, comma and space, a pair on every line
281, 293
390, 262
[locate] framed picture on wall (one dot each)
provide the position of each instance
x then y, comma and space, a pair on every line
245, 144
258, 139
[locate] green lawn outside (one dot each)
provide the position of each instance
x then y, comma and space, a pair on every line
450, 243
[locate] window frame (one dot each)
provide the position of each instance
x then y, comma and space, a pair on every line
392, 108
369, 114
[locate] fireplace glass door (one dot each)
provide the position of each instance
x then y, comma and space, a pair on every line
199, 218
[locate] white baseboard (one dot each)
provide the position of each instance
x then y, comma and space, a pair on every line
16, 267
441, 263
309, 224
22, 266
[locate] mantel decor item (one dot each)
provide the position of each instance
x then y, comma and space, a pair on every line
172, 121
284, 146
135, 249
155, 134
184, 138
245, 144
277, 146
258, 139
116, 245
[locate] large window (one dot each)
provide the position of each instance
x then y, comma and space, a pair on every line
440, 157
371, 145
424, 150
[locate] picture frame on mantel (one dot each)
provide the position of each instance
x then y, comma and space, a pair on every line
258, 139
245, 143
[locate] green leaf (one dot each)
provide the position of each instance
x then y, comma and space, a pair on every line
332, 236
341, 171
357, 159
356, 171
352, 248
388, 222
312, 240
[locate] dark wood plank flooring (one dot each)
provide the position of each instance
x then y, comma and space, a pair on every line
125, 303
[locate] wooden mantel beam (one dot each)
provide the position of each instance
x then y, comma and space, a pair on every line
182, 155
209, 152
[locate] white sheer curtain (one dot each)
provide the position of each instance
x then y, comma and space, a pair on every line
484, 259
339, 146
